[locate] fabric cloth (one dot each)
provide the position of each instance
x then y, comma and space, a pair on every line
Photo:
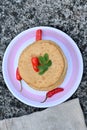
66, 116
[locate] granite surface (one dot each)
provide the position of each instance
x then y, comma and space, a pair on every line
16, 16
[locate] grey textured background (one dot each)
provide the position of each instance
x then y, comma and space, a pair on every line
16, 16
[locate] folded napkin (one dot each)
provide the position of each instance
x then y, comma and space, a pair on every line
67, 116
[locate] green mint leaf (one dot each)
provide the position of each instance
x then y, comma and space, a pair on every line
40, 67
49, 63
45, 68
41, 60
45, 63
41, 72
46, 57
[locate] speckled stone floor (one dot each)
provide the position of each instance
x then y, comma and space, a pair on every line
16, 16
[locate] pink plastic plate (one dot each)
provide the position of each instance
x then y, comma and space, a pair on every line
28, 95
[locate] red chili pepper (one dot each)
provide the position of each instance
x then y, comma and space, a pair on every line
35, 63
35, 68
18, 77
52, 92
38, 34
